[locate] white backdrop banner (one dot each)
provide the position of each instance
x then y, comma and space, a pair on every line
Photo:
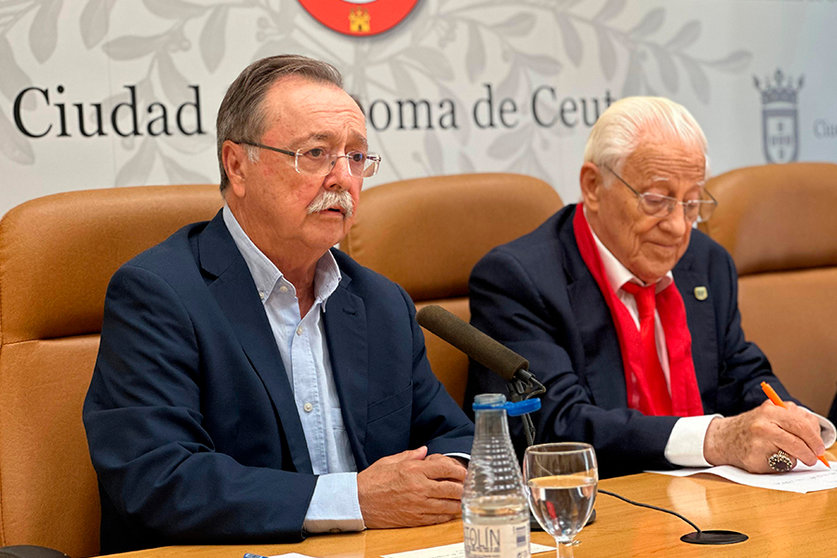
100, 93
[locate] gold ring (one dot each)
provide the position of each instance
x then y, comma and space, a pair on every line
780, 462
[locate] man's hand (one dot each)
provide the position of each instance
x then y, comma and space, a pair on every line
749, 439
405, 490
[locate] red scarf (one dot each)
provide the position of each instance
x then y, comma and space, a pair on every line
651, 392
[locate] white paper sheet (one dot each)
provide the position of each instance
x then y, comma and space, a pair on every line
455, 550
802, 479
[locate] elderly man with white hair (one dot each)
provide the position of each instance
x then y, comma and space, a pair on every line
629, 316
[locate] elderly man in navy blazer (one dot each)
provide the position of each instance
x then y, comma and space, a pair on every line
630, 317
253, 383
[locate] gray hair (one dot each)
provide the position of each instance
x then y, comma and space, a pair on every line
620, 129
241, 116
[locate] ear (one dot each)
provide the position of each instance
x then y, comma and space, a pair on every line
592, 182
236, 164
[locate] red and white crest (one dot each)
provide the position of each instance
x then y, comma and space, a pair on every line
359, 17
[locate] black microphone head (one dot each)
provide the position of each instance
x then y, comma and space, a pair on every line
471, 341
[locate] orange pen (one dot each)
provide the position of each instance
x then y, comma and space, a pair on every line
774, 397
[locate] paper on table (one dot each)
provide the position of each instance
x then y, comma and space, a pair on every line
455, 550
289, 555
802, 479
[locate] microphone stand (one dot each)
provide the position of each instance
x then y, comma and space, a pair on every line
524, 385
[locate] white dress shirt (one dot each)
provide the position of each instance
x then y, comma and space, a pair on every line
685, 443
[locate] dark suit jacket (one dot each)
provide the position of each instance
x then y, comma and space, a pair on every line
190, 416
536, 296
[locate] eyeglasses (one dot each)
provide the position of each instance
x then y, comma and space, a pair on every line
658, 205
317, 162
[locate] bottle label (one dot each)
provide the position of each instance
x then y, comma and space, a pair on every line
497, 541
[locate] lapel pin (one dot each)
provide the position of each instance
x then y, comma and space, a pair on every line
701, 293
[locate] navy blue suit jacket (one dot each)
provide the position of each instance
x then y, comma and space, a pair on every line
190, 416
536, 296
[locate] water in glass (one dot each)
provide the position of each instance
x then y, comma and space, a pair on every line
561, 479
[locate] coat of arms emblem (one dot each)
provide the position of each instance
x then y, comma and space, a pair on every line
359, 17
780, 127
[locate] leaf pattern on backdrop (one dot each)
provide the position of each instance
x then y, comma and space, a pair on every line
643, 51
95, 21
13, 145
636, 53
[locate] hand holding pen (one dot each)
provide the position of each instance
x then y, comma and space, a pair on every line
776, 400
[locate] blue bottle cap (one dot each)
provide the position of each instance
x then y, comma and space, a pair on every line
523, 407
513, 409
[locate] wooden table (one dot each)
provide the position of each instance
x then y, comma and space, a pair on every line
778, 524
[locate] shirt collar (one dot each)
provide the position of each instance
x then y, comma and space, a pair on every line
617, 274
267, 276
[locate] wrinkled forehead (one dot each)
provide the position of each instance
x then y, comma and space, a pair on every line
656, 159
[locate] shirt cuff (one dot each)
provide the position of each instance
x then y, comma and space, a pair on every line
685, 443
827, 431
334, 507
466, 457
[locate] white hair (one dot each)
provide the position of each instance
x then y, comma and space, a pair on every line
621, 128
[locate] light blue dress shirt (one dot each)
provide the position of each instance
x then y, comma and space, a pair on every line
302, 346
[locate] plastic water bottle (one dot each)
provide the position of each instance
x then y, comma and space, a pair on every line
495, 512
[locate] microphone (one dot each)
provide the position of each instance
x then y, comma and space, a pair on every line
522, 384
474, 343
483, 349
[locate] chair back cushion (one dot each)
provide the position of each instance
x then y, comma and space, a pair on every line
778, 223
57, 255
426, 234
776, 217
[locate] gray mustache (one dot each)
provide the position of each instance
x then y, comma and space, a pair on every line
332, 198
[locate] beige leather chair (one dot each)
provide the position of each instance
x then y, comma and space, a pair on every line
427, 233
57, 254
779, 222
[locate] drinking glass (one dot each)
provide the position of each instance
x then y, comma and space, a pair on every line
561, 480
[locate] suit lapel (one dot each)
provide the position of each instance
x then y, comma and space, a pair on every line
235, 292
603, 368
346, 335
700, 316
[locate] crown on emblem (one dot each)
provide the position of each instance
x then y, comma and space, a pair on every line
781, 90
359, 20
